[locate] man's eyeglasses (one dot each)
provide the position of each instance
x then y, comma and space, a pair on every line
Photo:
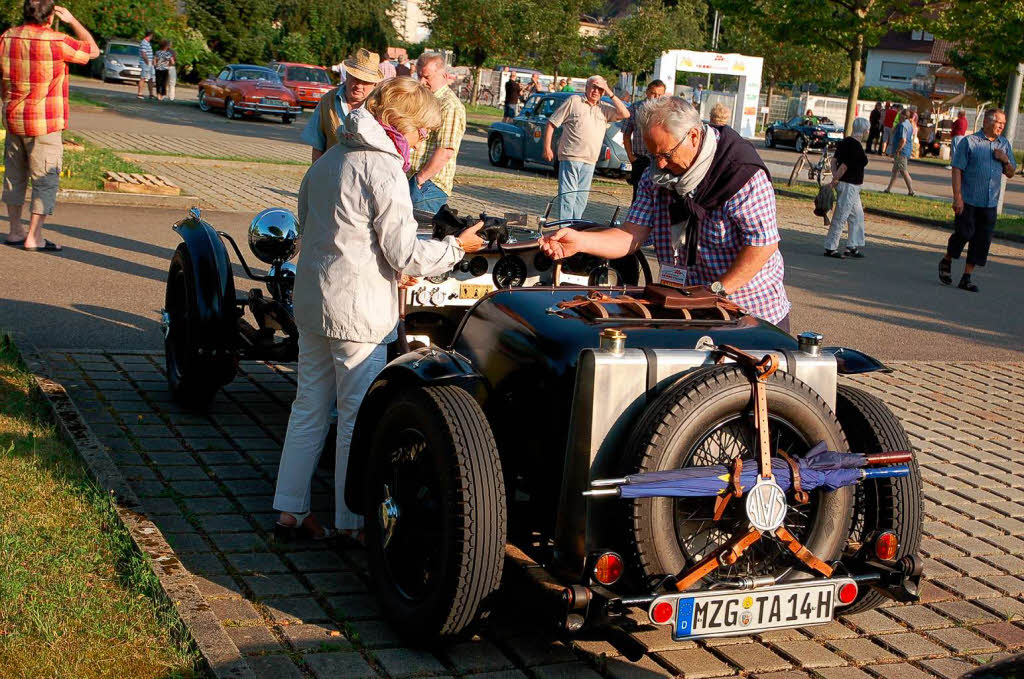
667, 156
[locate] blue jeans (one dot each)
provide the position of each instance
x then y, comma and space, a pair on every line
427, 197
573, 175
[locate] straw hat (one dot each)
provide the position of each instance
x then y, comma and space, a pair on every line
364, 65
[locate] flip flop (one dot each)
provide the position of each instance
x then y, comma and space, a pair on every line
48, 246
15, 243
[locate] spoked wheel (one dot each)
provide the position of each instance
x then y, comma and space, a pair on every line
801, 144
435, 512
204, 105
229, 109
707, 419
194, 374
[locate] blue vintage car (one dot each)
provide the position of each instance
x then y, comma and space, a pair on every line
801, 132
522, 140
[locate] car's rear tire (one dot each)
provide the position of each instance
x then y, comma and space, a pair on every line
769, 139
229, 109
433, 453
496, 151
881, 504
204, 105
800, 144
194, 374
705, 419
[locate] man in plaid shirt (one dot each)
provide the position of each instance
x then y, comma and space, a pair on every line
33, 66
710, 184
432, 170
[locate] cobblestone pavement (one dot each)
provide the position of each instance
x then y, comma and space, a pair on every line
207, 482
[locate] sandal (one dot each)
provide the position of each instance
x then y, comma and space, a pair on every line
835, 254
47, 246
15, 243
945, 272
309, 529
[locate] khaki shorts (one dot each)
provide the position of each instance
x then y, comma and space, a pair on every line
899, 163
39, 158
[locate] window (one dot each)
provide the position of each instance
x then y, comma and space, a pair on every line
547, 107
531, 104
894, 70
922, 35
225, 74
793, 122
122, 49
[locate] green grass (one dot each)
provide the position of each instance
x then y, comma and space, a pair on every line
239, 159
76, 598
79, 99
84, 170
484, 111
910, 207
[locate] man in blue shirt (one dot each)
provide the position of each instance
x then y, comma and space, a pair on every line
363, 74
900, 147
979, 163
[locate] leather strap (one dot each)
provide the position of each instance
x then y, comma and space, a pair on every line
799, 551
799, 494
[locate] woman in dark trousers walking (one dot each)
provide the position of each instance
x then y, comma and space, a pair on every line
875, 133
163, 60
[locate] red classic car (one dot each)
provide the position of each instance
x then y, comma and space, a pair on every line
308, 83
242, 89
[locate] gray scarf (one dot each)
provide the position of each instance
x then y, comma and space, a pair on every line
685, 183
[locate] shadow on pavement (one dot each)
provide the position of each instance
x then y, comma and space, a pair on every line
38, 320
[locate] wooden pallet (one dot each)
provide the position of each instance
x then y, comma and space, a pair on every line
125, 182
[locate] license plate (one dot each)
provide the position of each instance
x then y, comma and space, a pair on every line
273, 102
834, 136
717, 614
471, 291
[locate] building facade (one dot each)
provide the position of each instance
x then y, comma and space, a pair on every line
913, 60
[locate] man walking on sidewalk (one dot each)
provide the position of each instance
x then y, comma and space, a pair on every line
33, 65
633, 136
583, 121
875, 132
902, 144
979, 162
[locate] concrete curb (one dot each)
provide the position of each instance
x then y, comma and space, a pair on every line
934, 223
81, 197
223, 659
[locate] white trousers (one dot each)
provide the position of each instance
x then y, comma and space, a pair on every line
172, 79
850, 213
328, 368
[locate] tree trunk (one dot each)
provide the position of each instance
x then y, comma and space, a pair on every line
855, 80
476, 85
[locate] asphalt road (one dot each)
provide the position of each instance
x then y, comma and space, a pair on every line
105, 291
184, 119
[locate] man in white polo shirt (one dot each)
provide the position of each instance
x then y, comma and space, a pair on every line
583, 121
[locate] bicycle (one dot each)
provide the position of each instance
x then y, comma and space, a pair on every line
815, 172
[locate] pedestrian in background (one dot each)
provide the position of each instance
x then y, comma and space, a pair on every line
147, 74
847, 177
34, 72
363, 70
583, 121
698, 96
980, 162
387, 69
513, 92
535, 86
432, 171
875, 133
720, 114
163, 60
958, 132
172, 72
901, 146
888, 120
633, 136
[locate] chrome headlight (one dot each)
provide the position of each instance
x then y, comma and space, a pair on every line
274, 235
282, 281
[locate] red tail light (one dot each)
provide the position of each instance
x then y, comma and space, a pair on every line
848, 593
886, 546
608, 568
607, 154
661, 613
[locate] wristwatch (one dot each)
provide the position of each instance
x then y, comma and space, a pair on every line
718, 289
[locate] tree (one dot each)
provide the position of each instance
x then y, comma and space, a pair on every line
555, 39
474, 29
847, 25
636, 40
988, 41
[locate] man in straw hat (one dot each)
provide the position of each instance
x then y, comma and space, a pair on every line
363, 69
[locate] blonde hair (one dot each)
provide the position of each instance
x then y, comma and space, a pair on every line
404, 104
720, 114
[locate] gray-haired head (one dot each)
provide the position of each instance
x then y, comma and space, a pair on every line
861, 126
992, 112
675, 114
428, 58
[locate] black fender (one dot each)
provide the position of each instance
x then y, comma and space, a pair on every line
213, 282
424, 367
853, 362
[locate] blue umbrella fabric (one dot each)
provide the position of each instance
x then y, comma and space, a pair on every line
820, 468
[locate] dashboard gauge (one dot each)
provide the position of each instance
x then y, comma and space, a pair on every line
510, 272
463, 266
478, 265
437, 297
438, 279
542, 262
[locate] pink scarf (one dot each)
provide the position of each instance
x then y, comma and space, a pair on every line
401, 145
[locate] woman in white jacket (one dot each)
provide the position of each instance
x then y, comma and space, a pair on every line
358, 239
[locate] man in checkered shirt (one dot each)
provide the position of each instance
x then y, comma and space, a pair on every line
713, 188
33, 66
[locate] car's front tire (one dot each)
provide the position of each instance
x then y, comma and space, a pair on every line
435, 512
801, 144
229, 109
496, 151
769, 139
204, 105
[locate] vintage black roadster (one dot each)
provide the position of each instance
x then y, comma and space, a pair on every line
635, 445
